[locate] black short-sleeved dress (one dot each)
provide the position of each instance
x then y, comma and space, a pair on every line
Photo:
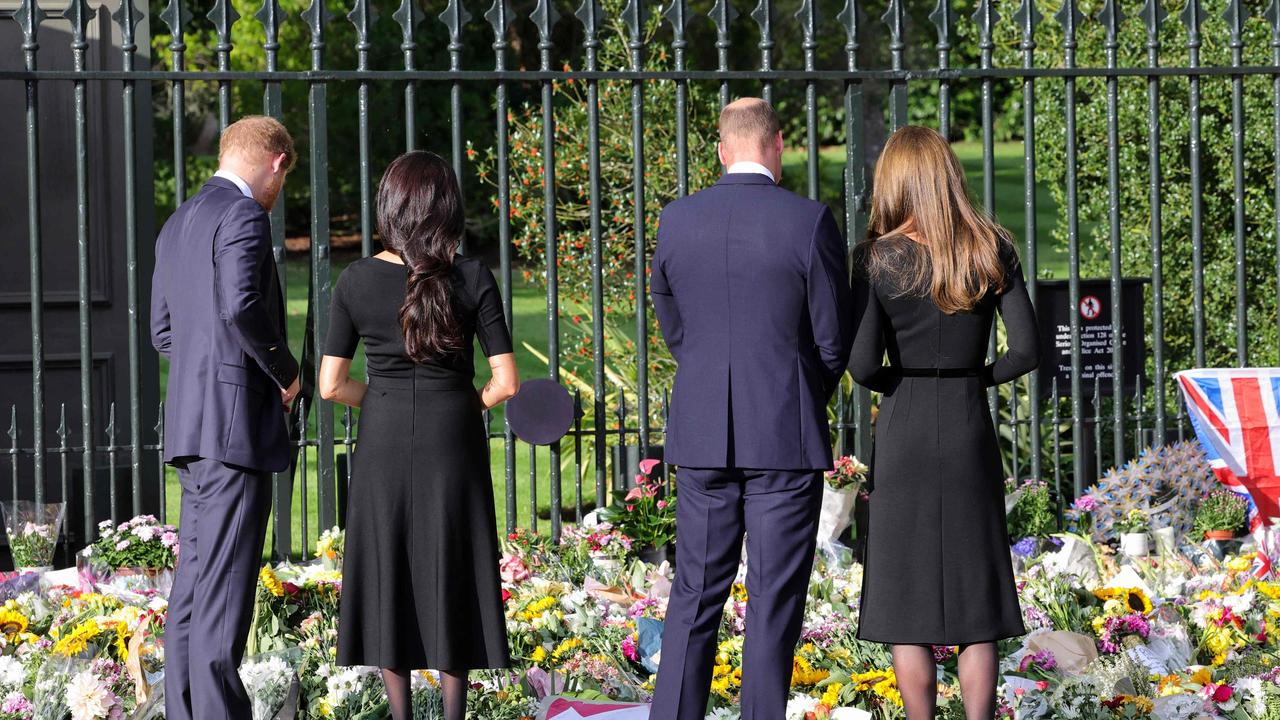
937, 567
420, 585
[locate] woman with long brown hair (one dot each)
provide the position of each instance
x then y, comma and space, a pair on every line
420, 586
929, 279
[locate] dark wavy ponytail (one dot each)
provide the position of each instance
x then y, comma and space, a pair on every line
420, 219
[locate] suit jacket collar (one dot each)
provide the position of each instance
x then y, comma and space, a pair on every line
744, 179
222, 183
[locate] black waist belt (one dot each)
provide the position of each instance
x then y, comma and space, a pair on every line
936, 372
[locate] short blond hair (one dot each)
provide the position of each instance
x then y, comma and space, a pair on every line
256, 135
749, 119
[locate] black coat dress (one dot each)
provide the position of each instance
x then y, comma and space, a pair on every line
937, 567
420, 585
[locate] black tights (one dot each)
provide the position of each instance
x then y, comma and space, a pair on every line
918, 680
453, 688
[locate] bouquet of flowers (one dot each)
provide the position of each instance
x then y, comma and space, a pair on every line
33, 531
839, 494
644, 513
268, 680
142, 542
849, 474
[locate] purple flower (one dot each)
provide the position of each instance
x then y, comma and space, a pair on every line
1025, 547
1086, 503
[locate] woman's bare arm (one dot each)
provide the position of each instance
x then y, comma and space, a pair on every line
504, 381
336, 383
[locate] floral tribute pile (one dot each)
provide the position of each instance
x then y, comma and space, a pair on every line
1185, 632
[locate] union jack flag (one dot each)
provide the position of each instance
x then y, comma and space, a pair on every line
1236, 417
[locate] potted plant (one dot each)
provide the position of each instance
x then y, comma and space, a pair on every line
136, 554
839, 494
645, 515
1220, 515
33, 533
1133, 529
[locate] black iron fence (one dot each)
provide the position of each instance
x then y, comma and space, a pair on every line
1065, 433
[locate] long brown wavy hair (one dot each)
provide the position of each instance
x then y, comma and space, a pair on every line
920, 188
420, 219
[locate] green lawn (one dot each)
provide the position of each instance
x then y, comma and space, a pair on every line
529, 314
1009, 208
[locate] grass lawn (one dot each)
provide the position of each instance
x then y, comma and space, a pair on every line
1009, 208
529, 315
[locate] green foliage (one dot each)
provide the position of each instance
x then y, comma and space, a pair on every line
617, 198
386, 103
1220, 510
644, 513
142, 542
1175, 183
1034, 513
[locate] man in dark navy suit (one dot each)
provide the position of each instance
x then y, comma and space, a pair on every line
217, 314
751, 289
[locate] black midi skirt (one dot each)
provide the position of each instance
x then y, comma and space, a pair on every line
937, 568
420, 584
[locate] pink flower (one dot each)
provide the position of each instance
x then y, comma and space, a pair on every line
629, 649
1086, 503
647, 466
1019, 691
122, 545
631, 508
633, 495
662, 504
1042, 685
513, 570
169, 539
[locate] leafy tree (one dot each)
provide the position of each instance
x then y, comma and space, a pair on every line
617, 198
1217, 196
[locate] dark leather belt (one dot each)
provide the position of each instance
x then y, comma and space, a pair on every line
935, 372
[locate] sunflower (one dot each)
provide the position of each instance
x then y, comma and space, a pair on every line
12, 622
1133, 599
269, 581
75, 642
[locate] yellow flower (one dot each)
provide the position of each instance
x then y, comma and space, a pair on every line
1203, 676
1130, 599
566, 647
831, 696
77, 640
269, 581
739, 592
1240, 563
12, 622
539, 654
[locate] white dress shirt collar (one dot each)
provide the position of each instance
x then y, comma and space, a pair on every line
746, 166
237, 180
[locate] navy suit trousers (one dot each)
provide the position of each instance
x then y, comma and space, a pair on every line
777, 510
224, 525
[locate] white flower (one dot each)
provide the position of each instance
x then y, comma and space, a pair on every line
144, 532
88, 698
12, 674
799, 705
724, 714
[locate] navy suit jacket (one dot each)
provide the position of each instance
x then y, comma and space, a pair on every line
750, 285
217, 313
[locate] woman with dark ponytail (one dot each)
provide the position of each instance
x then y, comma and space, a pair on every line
420, 586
